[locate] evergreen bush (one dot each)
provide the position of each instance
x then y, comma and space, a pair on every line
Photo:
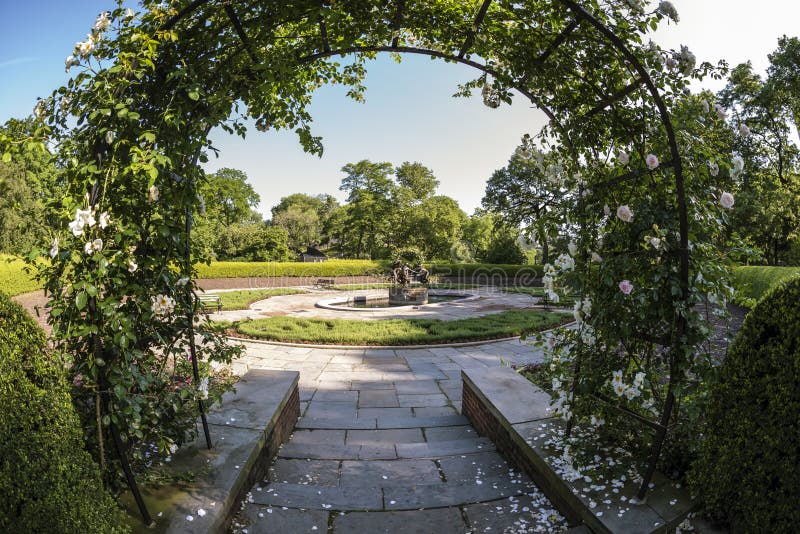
48, 482
748, 471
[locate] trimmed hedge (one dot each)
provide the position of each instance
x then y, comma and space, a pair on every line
753, 281
269, 269
13, 279
748, 471
483, 272
48, 482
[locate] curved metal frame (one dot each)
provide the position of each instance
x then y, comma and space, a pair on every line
581, 15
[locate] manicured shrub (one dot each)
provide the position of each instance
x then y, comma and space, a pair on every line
13, 278
48, 482
748, 472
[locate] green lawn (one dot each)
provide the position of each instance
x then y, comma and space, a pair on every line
241, 299
752, 281
13, 279
564, 301
401, 331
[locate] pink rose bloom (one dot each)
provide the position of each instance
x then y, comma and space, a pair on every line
77, 380
726, 200
652, 161
626, 287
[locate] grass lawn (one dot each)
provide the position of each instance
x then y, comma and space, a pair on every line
13, 279
240, 300
401, 331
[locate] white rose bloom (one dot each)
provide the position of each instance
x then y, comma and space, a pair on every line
616, 377
706, 107
606, 210
652, 161
669, 11
152, 193
573, 248
619, 389
86, 217
744, 130
129, 13
88, 249
625, 214
54, 248
713, 168
623, 158
132, 266
738, 166
726, 200
721, 113
632, 393
656, 242
204, 388
671, 63
105, 219
597, 258
102, 22
70, 62
76, 227
182, 281
565, 262
687, 61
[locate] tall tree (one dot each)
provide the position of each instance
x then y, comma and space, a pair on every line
417, 179
768, 210
526, 191
369, 192
229, 198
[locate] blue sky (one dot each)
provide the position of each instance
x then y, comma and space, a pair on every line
409, 114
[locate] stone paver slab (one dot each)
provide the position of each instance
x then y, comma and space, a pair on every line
418, 387
377, 437
305, 472
381, 413
441, 521
319, 498
414, 401
441, 449
276, 520
319, 437
381, 473
377, 398
450, 433
516, 514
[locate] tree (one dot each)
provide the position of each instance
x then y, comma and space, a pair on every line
784, 74
436, 225
228, 198
527, 191
369, 192
29, 194
417, 179
768, 212
302, 226
253, 242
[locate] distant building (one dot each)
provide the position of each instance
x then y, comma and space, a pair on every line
311, 255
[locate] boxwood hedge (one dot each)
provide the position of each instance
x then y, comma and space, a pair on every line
48, 482
748, 471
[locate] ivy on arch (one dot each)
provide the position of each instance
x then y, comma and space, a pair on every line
149, 83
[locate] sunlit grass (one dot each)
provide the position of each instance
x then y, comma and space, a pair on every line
13, 278
401, 331
241, 299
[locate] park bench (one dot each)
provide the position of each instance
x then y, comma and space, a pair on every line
208, 301
325, 283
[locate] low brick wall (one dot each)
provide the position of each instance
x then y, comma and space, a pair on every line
489, 425
516, 415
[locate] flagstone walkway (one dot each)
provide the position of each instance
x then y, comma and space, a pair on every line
381, 447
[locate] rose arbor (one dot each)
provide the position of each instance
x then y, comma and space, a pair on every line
149, 84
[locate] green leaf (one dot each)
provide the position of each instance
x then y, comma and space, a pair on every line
80, 300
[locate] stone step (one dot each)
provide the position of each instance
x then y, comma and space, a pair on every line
354, 450
348, 423
442, 449
363, 498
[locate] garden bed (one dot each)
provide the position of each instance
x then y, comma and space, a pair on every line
398, 331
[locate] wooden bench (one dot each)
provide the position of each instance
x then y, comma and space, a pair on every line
209, 300
325, 283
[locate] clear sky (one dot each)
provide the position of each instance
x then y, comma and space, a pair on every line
409, 114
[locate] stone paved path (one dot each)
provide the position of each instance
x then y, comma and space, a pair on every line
381, 447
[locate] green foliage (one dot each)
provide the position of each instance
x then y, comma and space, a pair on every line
228, 198
506, 249
752, 282
488, 273
410, 255
235, 269
253, 242
13, 278
240, 300
48, 481
400, 331
28, 182
748, 472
